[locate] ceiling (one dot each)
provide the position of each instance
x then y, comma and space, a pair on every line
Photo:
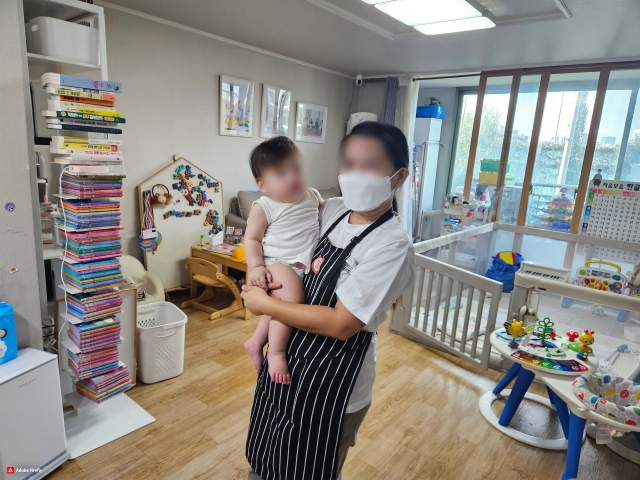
352, 37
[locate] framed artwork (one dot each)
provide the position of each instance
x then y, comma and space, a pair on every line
236, 106
311, 122
276, 104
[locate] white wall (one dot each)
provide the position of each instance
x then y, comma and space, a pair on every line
371, 98
170, 99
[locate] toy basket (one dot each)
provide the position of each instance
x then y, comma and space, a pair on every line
161, 330
609, 396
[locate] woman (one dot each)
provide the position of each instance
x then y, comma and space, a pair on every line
363, 262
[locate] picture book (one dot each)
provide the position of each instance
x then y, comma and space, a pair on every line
65, 148
80, 82
93, 141
87, 101
81, 108
222, 249
82, 116
80, 93
94, 157
84, 128
79, 121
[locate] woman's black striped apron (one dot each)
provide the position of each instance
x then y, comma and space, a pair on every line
295, 429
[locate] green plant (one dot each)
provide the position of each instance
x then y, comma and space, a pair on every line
543, 330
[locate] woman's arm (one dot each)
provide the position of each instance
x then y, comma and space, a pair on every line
336, 322
256, 226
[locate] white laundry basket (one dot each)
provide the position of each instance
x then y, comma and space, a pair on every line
161, 328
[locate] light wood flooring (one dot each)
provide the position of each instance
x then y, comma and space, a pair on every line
424, 422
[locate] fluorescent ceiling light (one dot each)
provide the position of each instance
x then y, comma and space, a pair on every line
373, 2
464, 25
420, 12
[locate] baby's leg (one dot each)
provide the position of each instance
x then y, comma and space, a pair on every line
256, 343
292, 291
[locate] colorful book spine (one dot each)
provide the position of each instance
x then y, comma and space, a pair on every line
85, 147
84, 101
79, 93
80, 82
81, 108
82, 116
94, 141
84, 128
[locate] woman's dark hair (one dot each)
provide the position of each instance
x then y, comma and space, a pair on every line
270, 153
392, 139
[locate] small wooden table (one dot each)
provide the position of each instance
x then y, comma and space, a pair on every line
224, 260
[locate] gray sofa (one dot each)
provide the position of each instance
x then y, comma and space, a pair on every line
240, 206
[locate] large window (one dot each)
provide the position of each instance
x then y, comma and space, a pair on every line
565, 124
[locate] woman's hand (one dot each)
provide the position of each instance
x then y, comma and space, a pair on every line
255, 298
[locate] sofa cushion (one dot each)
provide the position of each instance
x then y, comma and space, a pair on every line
246, 199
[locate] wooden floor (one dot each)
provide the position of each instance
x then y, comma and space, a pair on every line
424, 422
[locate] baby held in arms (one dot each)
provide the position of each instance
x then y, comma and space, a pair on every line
281, 236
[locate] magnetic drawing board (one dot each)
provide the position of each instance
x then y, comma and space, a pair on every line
179, 223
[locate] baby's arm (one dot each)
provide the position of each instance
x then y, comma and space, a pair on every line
257, 224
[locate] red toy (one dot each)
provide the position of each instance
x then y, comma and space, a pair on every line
572, 334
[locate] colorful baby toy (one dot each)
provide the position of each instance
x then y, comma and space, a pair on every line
544, 330
515, 329
585, 339
572, 335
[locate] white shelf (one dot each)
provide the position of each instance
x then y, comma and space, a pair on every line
51, 251
80, 402
76, 321
39, 64
75, 291
62, 9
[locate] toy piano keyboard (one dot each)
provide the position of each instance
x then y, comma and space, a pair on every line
601, 279
550, 359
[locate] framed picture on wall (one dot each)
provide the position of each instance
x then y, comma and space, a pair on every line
311, 122
236, 106
276, 104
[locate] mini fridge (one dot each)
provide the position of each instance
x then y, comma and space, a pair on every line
32, 435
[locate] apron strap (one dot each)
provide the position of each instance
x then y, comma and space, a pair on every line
386, 216
337, 266
334, 224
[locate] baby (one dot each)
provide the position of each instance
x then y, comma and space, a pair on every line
281, 236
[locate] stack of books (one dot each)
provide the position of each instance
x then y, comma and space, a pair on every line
90, 227
82, 214
92, 245
105, 386
92, 276
95, 336
82, 307
79, 185
87, 365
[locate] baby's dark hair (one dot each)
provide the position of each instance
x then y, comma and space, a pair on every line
270, 153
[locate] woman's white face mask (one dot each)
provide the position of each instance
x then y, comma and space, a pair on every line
363, 192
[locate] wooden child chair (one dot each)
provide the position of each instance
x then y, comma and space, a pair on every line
207, 273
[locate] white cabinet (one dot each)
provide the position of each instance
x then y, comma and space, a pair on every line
32, 435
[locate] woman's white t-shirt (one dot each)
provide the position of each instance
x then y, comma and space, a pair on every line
293, 229
380, 268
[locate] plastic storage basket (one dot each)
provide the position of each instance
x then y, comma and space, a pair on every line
161, 328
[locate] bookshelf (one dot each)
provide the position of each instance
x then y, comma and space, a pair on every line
69, 10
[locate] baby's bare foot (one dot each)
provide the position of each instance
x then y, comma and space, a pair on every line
278, 368
255, 352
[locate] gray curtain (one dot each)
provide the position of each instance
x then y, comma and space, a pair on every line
390, 100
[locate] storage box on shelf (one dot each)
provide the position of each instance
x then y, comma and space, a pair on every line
90, 227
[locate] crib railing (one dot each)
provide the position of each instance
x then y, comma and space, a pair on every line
449, 308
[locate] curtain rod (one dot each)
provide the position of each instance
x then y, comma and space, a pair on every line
416, 79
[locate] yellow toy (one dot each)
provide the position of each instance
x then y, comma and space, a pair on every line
585, 339
238, 255
515, 329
